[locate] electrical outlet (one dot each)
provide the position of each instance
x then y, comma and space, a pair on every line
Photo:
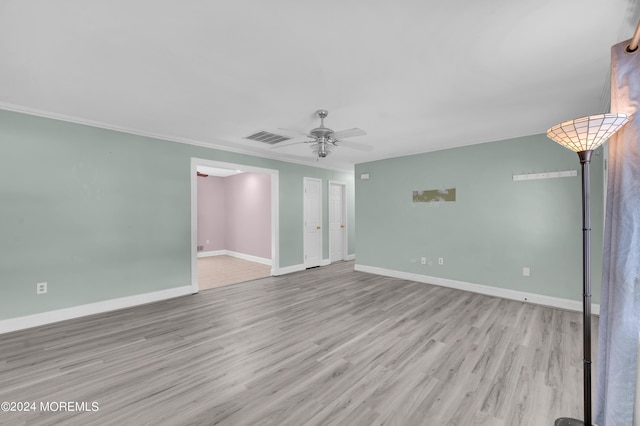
526, 271
423, 260
441, 261
41, 288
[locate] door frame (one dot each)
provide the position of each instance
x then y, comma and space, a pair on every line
304, 218
275, 212
345, 238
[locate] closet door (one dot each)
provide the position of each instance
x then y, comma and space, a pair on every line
312, 222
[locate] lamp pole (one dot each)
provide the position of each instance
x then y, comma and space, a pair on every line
585, 160
582, 136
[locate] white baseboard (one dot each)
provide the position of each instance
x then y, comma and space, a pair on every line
211, 253
239, 255
249, 257
538, 299
301, 267
28, 321
287, 270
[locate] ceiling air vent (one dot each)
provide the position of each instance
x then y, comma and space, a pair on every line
267, 137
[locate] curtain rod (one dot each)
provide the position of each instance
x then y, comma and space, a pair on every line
633, 45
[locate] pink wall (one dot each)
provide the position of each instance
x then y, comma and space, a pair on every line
212, 213
234, 213
249, 214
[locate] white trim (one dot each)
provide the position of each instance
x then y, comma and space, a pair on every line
194, 225
249, 257
538, 299
239, 255
35, 320
312, 162
211, 253
351, 257
325, 262
275, 211
275, 220
287, 270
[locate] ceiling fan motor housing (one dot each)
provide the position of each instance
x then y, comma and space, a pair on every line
321, 132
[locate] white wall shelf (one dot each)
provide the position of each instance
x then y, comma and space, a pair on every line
545, 175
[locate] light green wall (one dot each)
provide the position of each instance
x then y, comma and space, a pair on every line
100, 214
494, 228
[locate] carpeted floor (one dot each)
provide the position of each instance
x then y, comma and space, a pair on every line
216, 271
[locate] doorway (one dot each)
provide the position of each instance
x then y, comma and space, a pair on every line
233, 257
337, 221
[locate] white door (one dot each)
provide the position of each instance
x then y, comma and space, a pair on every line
312, 222
337, 222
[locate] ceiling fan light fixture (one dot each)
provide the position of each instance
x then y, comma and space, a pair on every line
321, 150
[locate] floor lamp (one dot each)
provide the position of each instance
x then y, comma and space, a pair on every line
583, 135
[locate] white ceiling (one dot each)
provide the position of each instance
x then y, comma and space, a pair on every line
417, 75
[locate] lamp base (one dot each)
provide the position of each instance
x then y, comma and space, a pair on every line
566, 421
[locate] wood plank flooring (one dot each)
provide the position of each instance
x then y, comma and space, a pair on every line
326, 346
216, 271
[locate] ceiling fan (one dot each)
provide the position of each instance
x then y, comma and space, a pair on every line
323, 139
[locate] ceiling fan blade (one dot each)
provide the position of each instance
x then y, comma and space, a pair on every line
348, 133
355, 145
282, 145
297, 132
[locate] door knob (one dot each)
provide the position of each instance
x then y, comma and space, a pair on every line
317, 227
341, 226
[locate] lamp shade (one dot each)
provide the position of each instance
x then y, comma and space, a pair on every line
587, 133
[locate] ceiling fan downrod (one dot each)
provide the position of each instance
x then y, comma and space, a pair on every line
322, 113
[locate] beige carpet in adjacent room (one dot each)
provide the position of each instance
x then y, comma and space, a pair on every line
216, 271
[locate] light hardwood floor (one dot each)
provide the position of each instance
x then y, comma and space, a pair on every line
216, 271
326, 346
